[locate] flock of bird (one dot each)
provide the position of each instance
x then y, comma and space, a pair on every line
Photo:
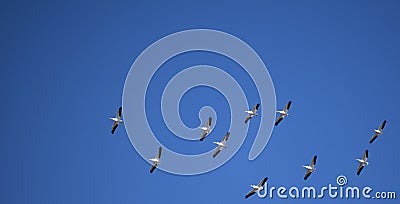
250, 114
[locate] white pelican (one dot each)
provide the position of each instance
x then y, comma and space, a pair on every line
117, 120
156, 160
221, 144
283, 113
251, 113
363, 162
378, 132
310, 168
206, 130
259, 187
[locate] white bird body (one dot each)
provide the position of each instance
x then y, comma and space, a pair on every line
206, 129
251, 113
378, 132
363, 162
283, 113
117, 120
221, 144
310, 168
257, 188
156, 160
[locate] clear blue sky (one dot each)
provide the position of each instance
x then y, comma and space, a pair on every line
64, 63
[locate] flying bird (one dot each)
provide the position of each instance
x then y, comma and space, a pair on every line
255, 188
221, 144
378, 132
117, 120
310, 168
206, 130
251, 113
156, 160
283, 113
363, 162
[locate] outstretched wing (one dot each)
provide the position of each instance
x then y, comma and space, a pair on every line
365, 157
255, 108
153, 167
308, 173
373, 138
159, 153
288, 106
114, 127
119, 112
360, 168
226, 137
250, 193
203, 136
280, 118
382, 125
247, 119
313, 161
262, 182
209, 122
217, 151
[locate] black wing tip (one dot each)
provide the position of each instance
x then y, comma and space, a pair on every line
120, 110
264, 180
359, 170
383, 124
289, 103
201, 139
366, 153
278, 121
113, 130
306, 176
257, 105
249, 194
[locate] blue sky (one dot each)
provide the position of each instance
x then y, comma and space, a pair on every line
64, 65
